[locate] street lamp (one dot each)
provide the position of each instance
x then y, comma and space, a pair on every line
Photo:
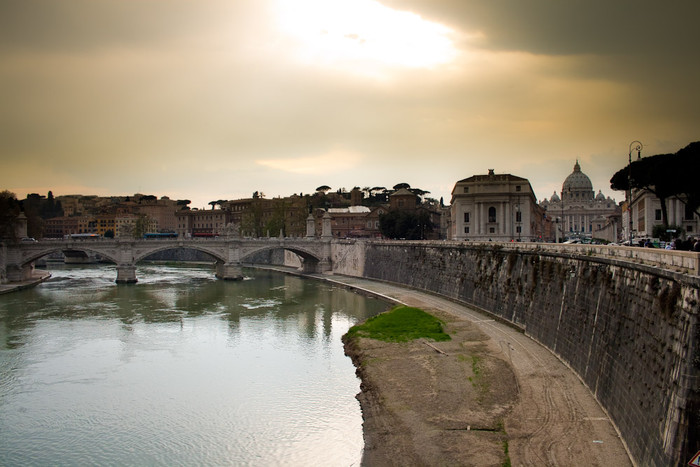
637, 146
518, 218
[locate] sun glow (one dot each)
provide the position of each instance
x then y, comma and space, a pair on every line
363, 36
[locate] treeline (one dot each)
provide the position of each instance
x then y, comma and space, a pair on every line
36, 208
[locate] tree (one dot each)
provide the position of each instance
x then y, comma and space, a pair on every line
49, 207
252, 217
666, 176
32, 209
687, 176
323, 188
405, 225
140, 226
402, 185
662, 232
9, 210
182, 204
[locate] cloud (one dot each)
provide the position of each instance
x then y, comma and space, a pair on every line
185, 96
333, 162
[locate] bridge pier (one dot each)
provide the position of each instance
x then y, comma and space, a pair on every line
229, 271
17, 273
126, 274
308, 266
324, 266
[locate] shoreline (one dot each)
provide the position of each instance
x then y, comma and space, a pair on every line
25, 284
553, 419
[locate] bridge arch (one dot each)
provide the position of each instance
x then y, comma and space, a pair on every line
310, 260
301, 252
38, 254
217, 254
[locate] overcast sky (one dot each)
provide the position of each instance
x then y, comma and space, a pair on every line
217, 99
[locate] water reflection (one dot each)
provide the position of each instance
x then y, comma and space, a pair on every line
178, 369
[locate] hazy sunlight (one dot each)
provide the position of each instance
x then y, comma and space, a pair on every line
363, 36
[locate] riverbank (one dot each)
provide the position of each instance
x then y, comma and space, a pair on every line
37, 278
493, 397
434, 403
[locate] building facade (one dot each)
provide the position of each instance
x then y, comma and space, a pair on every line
579, 212
495, 207
647, 214
202, 223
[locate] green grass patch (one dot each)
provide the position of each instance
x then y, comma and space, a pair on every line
401, 324
477, 366
506, 461
479, 379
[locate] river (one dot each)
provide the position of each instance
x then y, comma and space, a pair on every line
179, 369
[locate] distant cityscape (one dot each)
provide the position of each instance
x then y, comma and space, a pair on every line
487, 207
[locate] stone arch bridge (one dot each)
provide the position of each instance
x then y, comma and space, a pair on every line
16, 260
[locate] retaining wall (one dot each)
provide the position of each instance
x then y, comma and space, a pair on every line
628, 329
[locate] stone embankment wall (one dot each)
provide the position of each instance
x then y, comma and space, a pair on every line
628, 329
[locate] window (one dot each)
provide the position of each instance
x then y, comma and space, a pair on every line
466, 189
518, 216
466, 217
492, 214
492, 230
466, 229
518, 229
657, 214
517, 187
689, 228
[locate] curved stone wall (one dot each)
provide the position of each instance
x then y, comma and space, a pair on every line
629, 330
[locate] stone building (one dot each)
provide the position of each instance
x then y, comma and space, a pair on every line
579, 212
495, 207
403, 200
646, 214
202, 223
353, 221
162, 211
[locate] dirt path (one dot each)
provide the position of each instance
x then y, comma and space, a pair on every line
492, 388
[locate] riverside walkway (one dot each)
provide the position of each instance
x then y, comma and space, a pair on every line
556, 420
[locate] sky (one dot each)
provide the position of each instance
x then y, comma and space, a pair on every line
209, 100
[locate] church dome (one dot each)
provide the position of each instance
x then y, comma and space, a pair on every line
554, 198
600, 196
577, 181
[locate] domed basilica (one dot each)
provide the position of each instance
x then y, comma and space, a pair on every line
580, 212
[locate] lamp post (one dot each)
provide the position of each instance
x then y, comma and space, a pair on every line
518, 218
637, 146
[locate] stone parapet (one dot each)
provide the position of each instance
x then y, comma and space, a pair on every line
686, 262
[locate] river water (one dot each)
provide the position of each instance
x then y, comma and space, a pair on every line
179, 369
